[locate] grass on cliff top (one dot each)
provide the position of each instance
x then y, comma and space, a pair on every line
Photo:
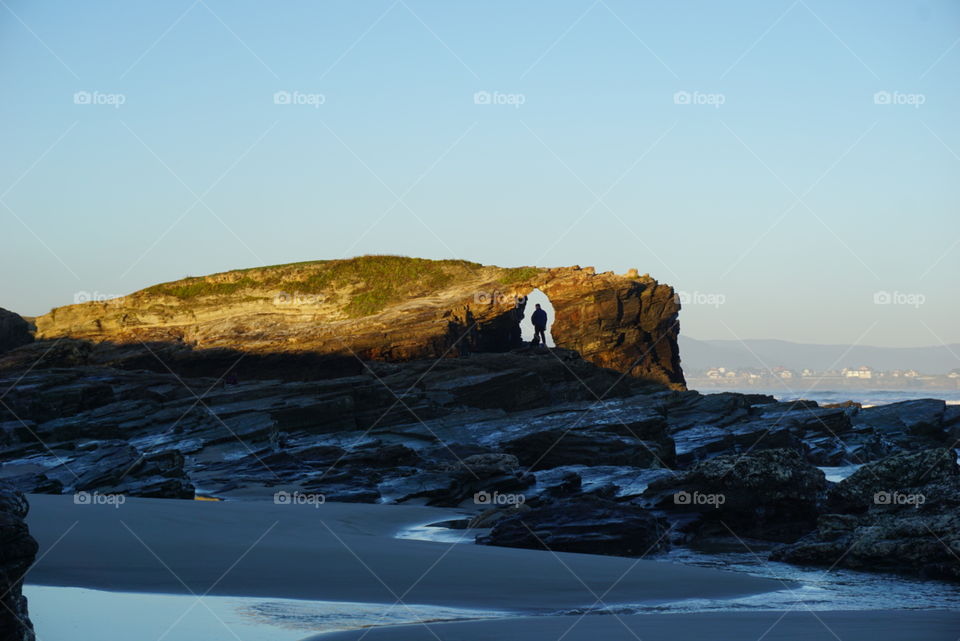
375, 281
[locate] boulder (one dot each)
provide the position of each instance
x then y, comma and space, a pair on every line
765, 494
588, 446
586, 524
17, 552
932, 472
914, 542
14, 331
910, 425
115, 467
900, 514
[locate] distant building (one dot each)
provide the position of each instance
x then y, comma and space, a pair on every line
911, 373
807, 372
860, 372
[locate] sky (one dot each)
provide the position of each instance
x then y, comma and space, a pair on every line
790, 167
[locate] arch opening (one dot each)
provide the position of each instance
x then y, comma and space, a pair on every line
526, 325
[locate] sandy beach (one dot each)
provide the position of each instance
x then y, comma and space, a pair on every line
347, 552
724, 626
338, 552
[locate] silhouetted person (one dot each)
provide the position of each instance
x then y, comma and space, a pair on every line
539, 320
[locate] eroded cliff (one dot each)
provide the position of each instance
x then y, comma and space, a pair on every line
394, 309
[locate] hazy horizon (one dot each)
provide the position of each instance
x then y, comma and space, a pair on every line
789, 167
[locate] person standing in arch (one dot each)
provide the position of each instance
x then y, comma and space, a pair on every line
539, 320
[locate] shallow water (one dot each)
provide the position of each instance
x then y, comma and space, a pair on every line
817, 588
820, 589
867, 397
68, 614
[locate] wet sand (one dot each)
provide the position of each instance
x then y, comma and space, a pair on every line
342, 552
347, 552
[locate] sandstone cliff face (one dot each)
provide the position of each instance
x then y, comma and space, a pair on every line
392, 309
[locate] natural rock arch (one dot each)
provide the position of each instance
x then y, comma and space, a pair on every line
626, 322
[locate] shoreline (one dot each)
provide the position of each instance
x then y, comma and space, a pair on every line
347, 554
338, 552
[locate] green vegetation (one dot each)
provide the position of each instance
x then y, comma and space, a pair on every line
516, 275
373, 282
194, 287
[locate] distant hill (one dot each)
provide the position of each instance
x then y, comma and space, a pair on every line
703, 354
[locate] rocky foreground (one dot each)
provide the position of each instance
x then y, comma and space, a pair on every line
551, 451
17, 552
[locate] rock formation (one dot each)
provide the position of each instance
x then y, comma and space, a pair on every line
900, 514
14, 331
393, 309
17, 551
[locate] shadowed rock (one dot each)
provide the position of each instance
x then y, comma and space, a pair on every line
585, 524
14, 331
766, 494
17, 552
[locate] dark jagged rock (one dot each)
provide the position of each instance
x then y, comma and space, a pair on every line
585, 524
591, 446
766, 494
913, 542
907, 424
14, 331
444, 432
118, 468
932, 470
900, 514
17, 552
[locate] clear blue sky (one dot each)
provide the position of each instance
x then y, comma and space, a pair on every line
780, 213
